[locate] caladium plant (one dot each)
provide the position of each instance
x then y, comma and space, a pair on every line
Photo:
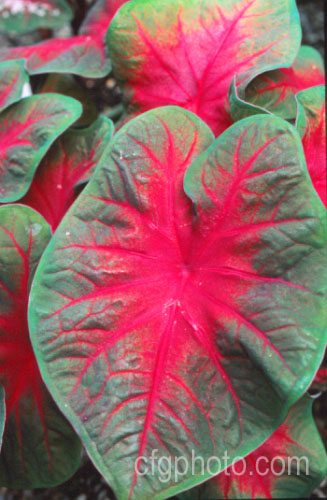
84, 54
152, 45
178, 309
185, 267
39, 447
296, 442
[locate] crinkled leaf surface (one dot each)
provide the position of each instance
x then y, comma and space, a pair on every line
84, 55
164, 324
27, 130
274, 91
12, 79
311, 124
28, 15
186, 52
39, 447
301, 467
68, 85
70, 161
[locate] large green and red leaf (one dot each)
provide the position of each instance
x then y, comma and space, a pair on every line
311, 124
27, 130
28, 15
290, 464
162, 323
84, 55
13, 76
70, 161
39, 447
274, 91
186, 52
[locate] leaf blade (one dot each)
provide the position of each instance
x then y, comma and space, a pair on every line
186, 53
131, 313
39, 447
28, 128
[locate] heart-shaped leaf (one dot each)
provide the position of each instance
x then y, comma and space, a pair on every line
290, 464
27, 15
274, 91
27, 130
84, 55
12, 79
162, 324
70, 161
186, 52
311, 124
39, 447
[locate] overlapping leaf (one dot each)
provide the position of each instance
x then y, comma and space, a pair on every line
84, 55
274, 91
162, 324
70, 162
67, 84
39, 447
311, 124
27, 130
27, 15
186, 52
12, 79
290, 464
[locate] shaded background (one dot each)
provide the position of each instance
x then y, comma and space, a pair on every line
87, 483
